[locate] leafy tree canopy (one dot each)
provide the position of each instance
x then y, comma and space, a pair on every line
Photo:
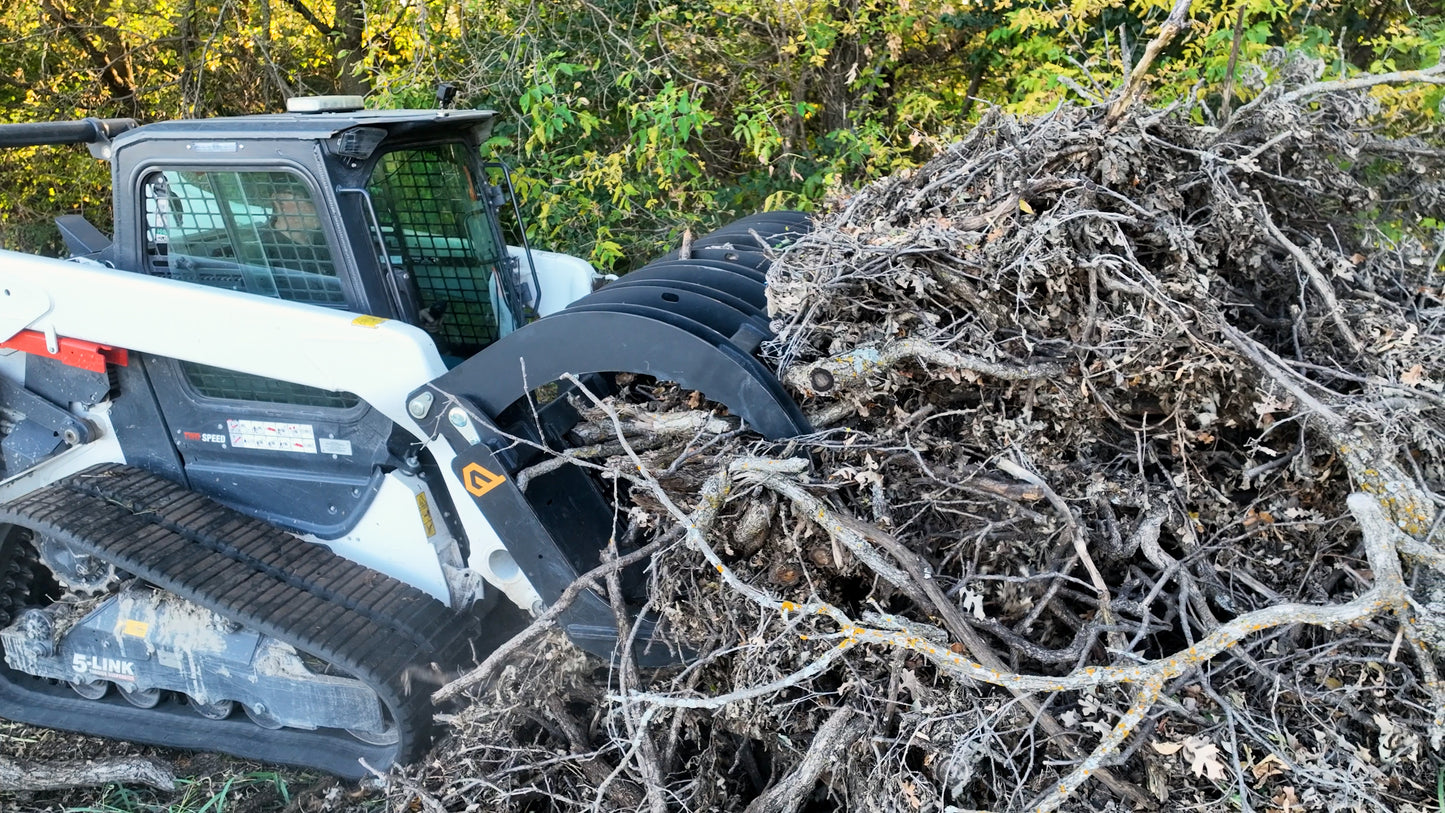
630, 121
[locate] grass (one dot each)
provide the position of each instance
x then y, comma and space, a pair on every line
206, 783
200, 795
261, 791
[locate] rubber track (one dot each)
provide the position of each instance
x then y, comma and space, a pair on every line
378, 629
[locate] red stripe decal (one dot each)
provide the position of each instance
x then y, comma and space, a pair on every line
73, 352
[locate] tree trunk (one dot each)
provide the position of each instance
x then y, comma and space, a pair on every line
349, 28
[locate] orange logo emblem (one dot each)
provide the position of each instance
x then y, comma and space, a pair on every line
478, 480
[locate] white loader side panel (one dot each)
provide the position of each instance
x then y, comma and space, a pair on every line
564, 279
389, 538
381, 361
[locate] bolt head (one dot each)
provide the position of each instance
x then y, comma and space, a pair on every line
420, 405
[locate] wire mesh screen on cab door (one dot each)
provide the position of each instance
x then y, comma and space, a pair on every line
438, 228
255, 231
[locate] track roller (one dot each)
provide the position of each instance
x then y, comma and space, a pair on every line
262, 717
140, 698
94, 690
217, 710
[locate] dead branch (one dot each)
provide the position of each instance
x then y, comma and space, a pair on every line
1321, 285
484, 671
834, 736
16, 774
1177, 21
1433, 75
850, 370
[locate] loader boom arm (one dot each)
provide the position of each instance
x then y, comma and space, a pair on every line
379, 360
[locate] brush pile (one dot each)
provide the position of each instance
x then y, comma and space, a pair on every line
1125, 492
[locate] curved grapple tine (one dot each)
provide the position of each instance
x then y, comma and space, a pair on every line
613, 337
775, 228
743, 327
745, 286
743, 242
712, 293
746, 270
754, 259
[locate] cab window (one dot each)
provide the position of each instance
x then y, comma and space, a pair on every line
257, 232
252, 231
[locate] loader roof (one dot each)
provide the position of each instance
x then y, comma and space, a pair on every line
304, 126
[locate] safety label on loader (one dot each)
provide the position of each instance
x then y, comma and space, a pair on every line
275, 437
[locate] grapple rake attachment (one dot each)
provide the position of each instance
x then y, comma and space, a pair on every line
695, 321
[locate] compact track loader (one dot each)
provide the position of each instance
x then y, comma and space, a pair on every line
259, 449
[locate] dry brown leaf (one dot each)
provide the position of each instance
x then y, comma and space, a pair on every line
1204, 760
1285, 801
1253, 518
1271, 765
912, 796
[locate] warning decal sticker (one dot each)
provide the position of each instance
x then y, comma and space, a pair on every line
334, 446
275, 437
425, 511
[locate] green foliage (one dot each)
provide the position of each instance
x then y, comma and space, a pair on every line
628, 122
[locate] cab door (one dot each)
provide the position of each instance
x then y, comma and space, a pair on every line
304, 458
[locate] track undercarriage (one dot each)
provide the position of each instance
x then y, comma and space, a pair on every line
219, 632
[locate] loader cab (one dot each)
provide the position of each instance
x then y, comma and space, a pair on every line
386, 213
